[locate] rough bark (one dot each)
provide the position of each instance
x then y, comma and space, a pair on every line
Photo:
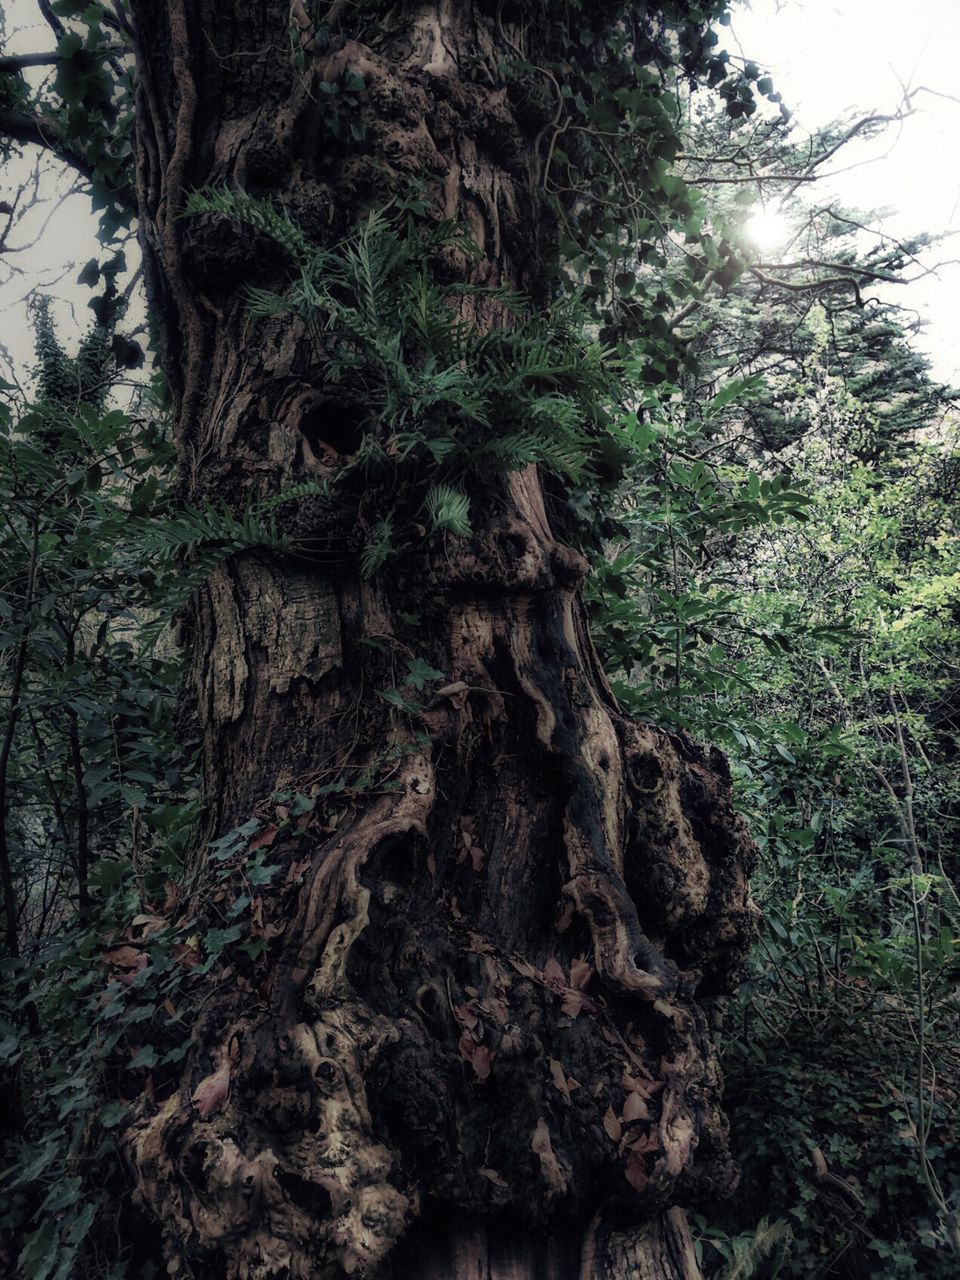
476, 1042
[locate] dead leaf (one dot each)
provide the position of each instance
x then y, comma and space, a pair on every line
466, 1016
523, 967
211, 1093
553, 974
492, 1176
186, 954
635, 1109
565, 919
265, 839
612, 1125
575, 1002
550, 1166
147, 925
478, 1055
642, 1142
170, 1007
126, 957
559, 1078
581, 971
296, 869
635, 1174
634, 1084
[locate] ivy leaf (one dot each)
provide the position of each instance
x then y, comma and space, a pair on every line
396, 699
420, 673
90, 274
301, 804
218, 939
146, 1057
113, 1113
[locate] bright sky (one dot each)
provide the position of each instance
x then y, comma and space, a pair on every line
831, 57
828, 58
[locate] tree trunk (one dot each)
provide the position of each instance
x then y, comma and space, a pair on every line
473, 1044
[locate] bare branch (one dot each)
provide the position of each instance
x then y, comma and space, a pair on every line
852, 267
43, 131
13, 62
56, 26
810, 286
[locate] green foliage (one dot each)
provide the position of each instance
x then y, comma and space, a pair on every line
438, 399
97, 786
800, 607
780, 576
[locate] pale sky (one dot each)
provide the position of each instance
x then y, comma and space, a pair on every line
828, 58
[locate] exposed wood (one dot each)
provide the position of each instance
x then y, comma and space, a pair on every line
478, 1022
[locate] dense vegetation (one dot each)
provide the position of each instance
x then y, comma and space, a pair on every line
767, 490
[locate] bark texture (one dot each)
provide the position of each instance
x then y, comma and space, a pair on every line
475, 1042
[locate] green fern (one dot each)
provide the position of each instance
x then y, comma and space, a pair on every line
749, 1252
257, 214
448, 509
447, 403
378, 548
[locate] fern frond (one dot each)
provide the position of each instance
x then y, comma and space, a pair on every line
252, 212
749, 1253
378, 548
306, 489
448, 509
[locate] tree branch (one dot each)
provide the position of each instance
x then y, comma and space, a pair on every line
10, 63
54, 23
809, 286
43, 131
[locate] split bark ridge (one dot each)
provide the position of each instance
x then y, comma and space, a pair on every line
480, 1006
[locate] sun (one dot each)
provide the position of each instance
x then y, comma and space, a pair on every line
767, 229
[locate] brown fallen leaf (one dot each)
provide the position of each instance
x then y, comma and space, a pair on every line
466, 1016
635, 1173
265, 839
575, 1002
636, 1084
186, 954
478, 1055
542, 1148
296, 869
612, 1125
635, 1109
565, 919
523, 967
126, 957
492, 1176
559, 1078
212, 1092
145, 925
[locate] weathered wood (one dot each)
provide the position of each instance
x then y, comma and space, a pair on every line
475, 1045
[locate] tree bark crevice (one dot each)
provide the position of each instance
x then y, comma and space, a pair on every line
478, 999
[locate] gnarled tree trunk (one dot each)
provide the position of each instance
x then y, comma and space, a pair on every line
474, 1044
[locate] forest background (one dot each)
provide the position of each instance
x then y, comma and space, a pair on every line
779, 576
